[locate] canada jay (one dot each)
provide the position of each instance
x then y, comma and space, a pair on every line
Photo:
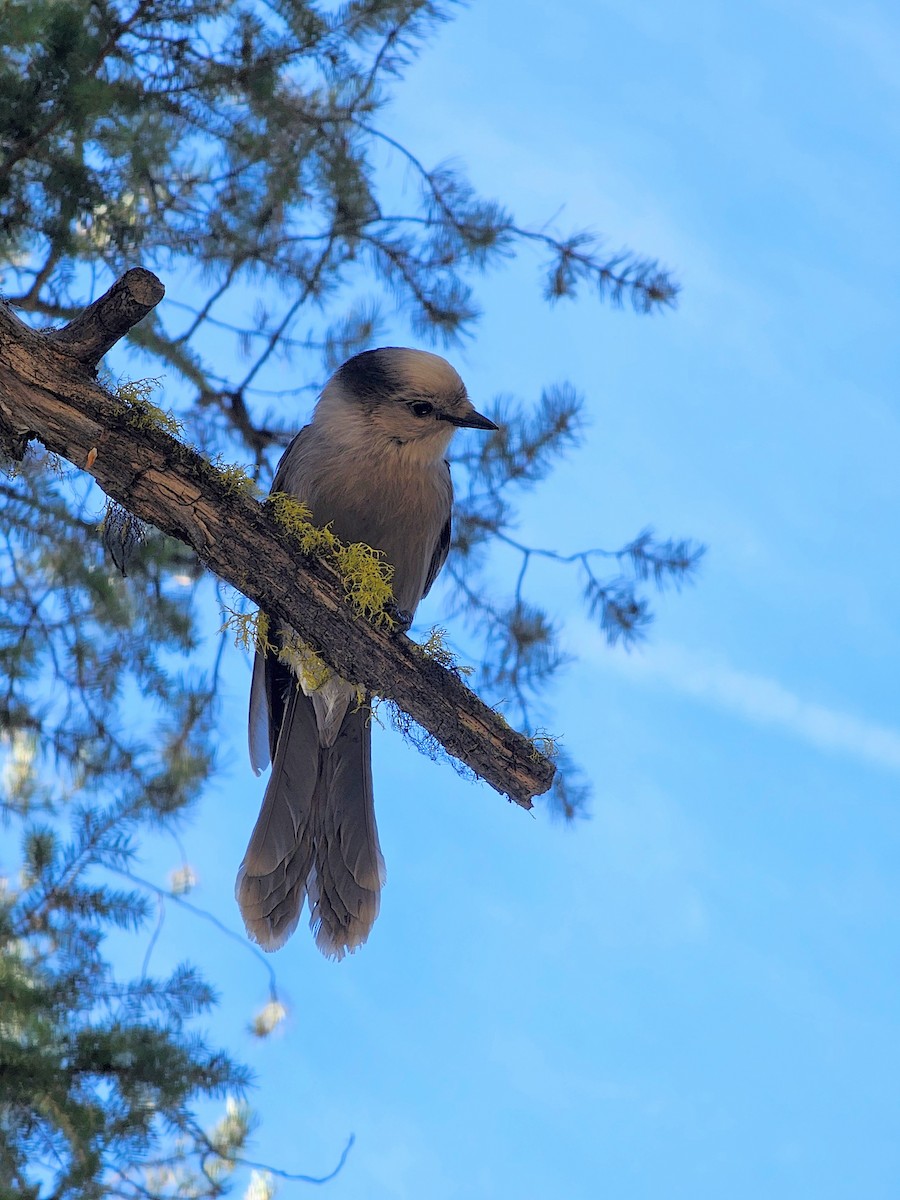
371, 466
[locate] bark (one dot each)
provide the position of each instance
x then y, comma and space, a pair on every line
49, 391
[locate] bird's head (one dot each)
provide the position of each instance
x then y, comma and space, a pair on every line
399, 397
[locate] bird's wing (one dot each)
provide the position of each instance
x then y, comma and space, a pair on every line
289, 456
270, 678
442, 547
260, 749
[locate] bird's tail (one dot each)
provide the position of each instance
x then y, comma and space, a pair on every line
315, 836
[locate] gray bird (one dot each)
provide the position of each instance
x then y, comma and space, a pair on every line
371, 465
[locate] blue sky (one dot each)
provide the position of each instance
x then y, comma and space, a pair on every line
695, 992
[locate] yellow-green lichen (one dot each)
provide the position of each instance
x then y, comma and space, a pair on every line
250, 630
235, 479
263, 644
291, 513
367, 581
435, 647
365, 574
312, 671
141, 412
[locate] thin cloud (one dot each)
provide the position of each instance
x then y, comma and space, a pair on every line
761, 700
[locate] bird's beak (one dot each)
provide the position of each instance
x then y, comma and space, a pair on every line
471, 420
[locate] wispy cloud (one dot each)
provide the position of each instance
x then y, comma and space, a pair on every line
761, 700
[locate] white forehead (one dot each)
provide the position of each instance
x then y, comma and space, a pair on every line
424, 372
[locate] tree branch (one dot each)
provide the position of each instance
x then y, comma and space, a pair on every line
48, 390
98, 327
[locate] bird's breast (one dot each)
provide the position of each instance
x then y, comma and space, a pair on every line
394, 506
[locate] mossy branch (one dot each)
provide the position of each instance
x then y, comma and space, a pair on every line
50, 393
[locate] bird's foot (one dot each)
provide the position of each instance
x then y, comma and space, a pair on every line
401, 617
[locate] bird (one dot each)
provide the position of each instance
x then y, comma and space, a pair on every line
371, 466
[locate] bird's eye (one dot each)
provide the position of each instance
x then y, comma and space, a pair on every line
422, 408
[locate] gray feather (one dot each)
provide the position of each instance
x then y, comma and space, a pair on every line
315, 835
271, 883
349, 869
260, 752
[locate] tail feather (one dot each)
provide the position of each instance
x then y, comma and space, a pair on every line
345, 895
271, 882
315, 837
